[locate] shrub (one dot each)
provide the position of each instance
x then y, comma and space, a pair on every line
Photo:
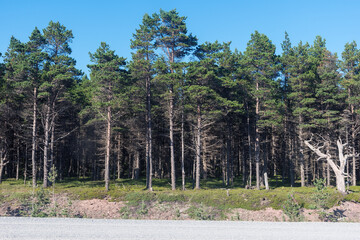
200, 213
39, 202
142, 209
292, 208
125, 212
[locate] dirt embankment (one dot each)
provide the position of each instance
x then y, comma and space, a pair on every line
103, 208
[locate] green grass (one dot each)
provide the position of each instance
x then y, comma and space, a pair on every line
354, 195
212, 194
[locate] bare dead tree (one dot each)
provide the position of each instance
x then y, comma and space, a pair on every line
337, 163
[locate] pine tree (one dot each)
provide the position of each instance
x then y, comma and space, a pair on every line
141, 68
351, 82
36, 61
261, 65
328, 94
302, 83
286, 59
329, 98
24, 72
2, 127
226, 63
176, 43
107, 74
60, 76
203, 100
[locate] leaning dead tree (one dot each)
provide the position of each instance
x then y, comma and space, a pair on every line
337, 163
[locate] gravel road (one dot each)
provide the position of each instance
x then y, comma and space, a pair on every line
79, 229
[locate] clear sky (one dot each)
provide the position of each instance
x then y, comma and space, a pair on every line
224, 20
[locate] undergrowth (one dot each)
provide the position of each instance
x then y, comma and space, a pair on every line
213, 195
292, 208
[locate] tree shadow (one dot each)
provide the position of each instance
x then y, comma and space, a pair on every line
335, 216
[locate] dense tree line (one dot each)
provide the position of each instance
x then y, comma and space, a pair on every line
179, 109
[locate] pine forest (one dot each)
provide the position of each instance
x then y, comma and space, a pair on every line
180, 110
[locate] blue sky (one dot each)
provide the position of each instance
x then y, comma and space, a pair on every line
224, 20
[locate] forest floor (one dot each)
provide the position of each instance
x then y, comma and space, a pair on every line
127, 199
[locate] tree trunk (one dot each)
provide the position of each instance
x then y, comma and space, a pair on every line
150, 140
52, 142
353, 158
244, 168
136, 169
2, 165
291, 163
171, 126
17, 159
198, 148
107, 148
223, 165
26, 164
46, 146
130, 161
286, 142
273, 156
266, 181
229, 161
2, 162
204, 159
149, 159
249, 145
353, 136
340, 183
309, 166
33, 139
265, 174
286, 148
339, 172
257, 141
327, 174
182, 151
119, 155
301, 153
52, 138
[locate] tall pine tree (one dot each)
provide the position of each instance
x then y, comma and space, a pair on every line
107, 74
141, 68
172, 37
261, 65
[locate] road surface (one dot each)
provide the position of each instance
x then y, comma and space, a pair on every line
80, 229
